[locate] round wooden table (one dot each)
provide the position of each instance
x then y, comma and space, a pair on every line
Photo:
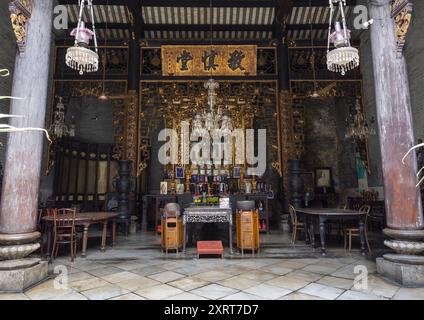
86, 219
325, 214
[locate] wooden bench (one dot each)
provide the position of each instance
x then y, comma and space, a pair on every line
210, 247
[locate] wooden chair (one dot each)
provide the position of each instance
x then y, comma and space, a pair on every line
42, 226
295, 223
351, 232
64, 231
337, 224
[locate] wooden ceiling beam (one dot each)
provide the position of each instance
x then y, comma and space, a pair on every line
97, 2
102, 25
185, 3
207, 27
318, 3
307, 26
216, 3
204, 27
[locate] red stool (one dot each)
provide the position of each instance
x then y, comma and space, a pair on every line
210, 247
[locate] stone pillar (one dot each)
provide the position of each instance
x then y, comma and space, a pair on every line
402, 198
19, 203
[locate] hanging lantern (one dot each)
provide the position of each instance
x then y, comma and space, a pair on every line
344, 57
58, 128
79, 57
357, 125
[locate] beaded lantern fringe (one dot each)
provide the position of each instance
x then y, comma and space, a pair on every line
82, 59
343, 59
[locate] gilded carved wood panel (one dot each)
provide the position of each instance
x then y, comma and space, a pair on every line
224, 60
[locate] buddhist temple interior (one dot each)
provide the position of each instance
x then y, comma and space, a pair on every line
283, 136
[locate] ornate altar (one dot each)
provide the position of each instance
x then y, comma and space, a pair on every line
208, 214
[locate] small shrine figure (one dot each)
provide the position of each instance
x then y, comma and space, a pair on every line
184, 58
209, 60
234, 62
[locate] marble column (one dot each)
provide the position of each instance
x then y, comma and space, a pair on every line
405, 225
19, 203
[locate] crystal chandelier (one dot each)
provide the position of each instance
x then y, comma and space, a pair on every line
357, 125
212, 121
58, 128
344, 57
80, 57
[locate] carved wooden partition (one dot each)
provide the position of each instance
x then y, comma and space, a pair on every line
62, 154
84, 174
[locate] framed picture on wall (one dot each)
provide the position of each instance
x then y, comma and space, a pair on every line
323, 178
164, 187
233, 185
180, 188
236, 172
179, 173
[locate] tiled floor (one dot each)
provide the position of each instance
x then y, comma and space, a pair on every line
136, 270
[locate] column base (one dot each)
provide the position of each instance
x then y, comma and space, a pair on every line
17, 251
19, 238
406, 270
406, 235
19, 275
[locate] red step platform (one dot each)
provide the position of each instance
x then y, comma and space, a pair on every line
210, 247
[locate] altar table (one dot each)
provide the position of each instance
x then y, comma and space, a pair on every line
208, 214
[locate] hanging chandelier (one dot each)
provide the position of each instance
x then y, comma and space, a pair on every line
357, 125
344, 57
213, 121
79, 57
58, 128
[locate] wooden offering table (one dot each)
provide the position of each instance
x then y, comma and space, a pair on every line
208, 214
323, 215
86, 219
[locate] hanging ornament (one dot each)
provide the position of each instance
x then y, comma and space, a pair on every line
80, 57
344, 57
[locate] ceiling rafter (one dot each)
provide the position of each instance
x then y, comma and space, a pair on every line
216, 3
283, 10
185, 3
205, 27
